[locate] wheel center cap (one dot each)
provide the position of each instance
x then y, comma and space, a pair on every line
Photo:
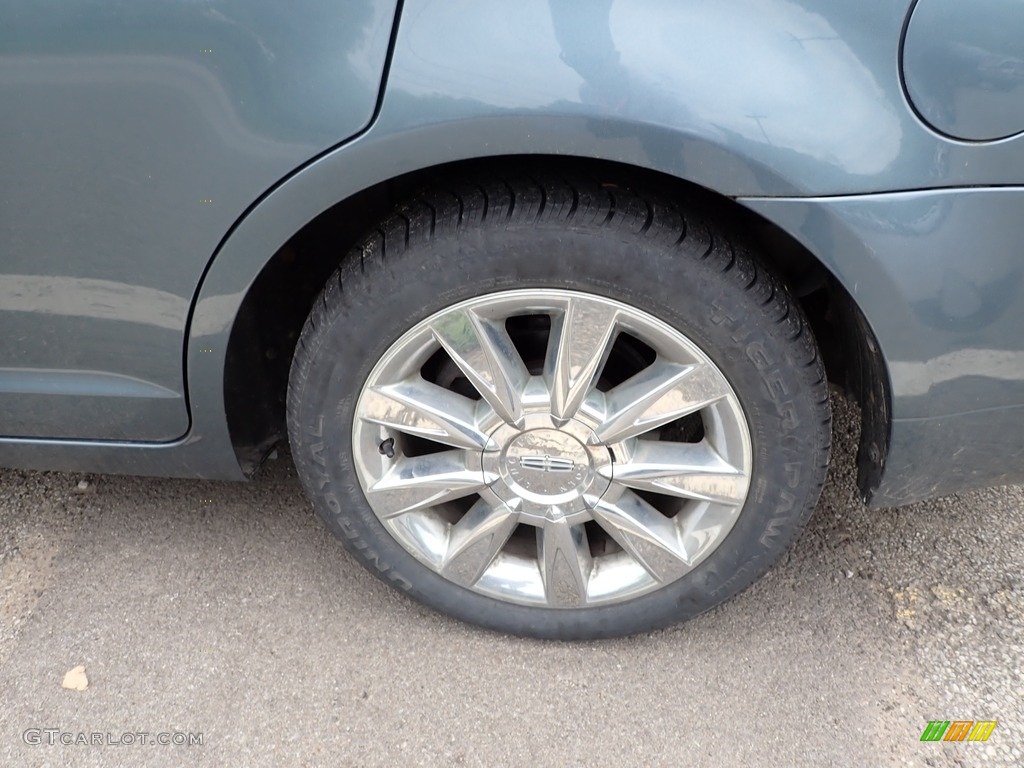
546, 462
548, 470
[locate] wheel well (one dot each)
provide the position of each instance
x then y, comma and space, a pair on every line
268, 324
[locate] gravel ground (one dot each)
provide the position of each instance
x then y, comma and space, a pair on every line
227, 609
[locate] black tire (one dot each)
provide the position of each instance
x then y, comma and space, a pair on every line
448, 245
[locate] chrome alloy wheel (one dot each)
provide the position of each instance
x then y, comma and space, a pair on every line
552, 448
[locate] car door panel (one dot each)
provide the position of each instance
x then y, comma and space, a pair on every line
133, 137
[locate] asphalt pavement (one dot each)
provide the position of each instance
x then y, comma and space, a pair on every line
226, 611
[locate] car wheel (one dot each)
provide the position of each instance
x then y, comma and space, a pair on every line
562, 409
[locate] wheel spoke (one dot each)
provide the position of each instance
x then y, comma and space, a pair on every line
417, 407
652, 539
687, 470
565, 563
476, 540
486, 355
577, 350
422, 481
704, 529
657, 395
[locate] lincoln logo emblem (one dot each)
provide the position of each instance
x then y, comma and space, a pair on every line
547, 463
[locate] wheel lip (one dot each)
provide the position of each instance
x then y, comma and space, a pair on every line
419, 339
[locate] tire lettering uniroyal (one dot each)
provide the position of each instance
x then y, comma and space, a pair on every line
776, 385
317, 451
792, 470
332, 503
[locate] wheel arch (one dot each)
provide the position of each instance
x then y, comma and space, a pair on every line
260, 285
